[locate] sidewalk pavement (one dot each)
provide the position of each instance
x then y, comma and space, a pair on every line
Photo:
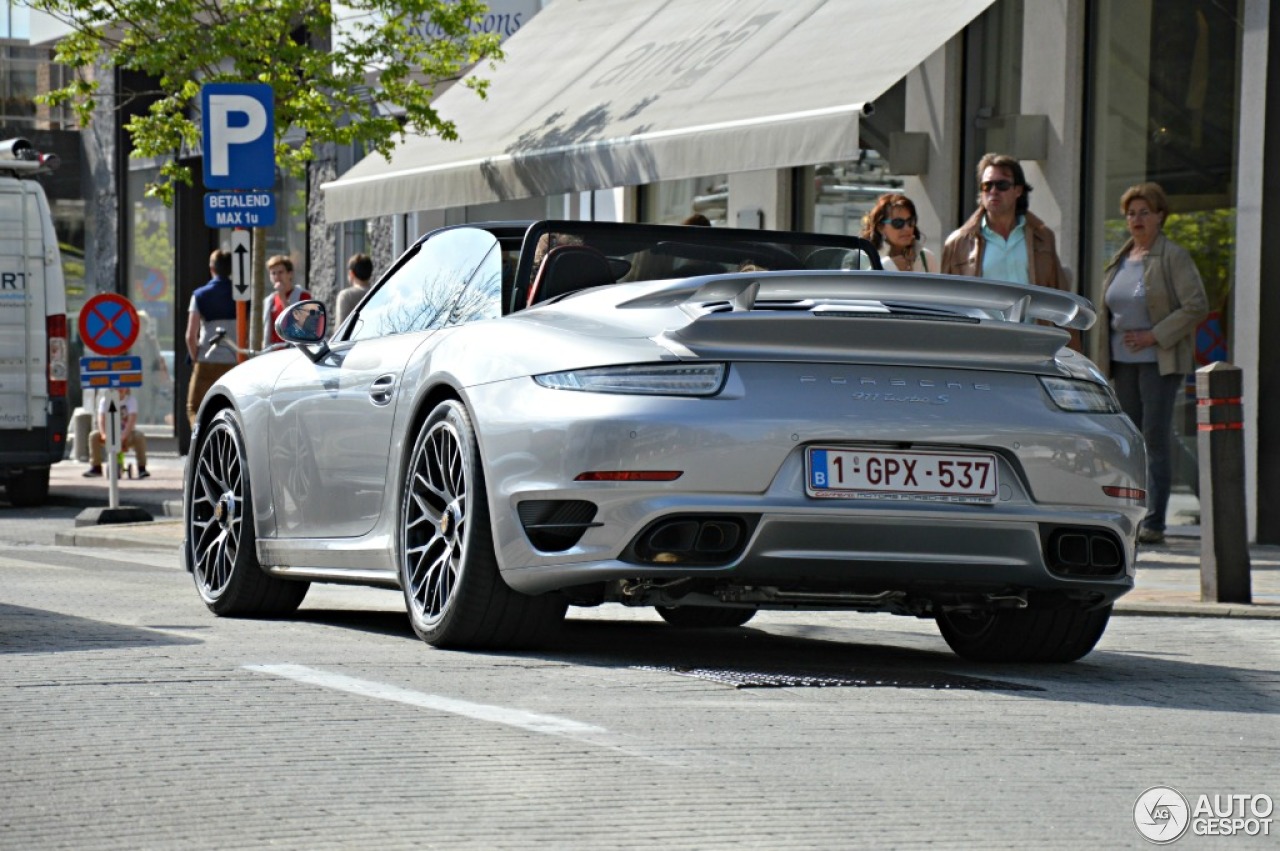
160, 494
1168, 573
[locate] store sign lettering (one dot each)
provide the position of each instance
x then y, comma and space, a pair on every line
685, 61
491, 24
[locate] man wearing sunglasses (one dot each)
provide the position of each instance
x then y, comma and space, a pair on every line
1003, 239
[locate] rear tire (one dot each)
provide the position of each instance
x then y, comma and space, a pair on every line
1062, 634
453, 589
220, 539
704, 617
28, 488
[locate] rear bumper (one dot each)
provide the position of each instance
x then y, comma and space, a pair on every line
742, 454
926, 555
35, 447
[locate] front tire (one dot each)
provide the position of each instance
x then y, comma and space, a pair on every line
453, 589
704, 617
220, 537
1062, 634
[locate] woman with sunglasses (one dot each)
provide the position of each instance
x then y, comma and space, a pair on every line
1153, 299
891, 227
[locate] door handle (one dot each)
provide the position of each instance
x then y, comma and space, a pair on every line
381, 390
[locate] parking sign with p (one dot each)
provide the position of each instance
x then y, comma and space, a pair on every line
239, 135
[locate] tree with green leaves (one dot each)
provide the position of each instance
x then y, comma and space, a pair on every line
361, 72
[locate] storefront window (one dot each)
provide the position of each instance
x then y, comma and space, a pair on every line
993, 91
1164, 108
288, 236
670, 202
151, 289
845, 192
835, 196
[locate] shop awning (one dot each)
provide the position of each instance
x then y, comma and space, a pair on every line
596, 94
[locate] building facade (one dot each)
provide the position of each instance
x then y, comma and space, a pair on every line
1091, 95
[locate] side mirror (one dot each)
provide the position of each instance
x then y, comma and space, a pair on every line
303, 324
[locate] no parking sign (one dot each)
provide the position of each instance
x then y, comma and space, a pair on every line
108, 324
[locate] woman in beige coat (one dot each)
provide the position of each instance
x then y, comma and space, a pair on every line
1153, 301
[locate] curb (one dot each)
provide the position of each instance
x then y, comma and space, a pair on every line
1198, 610
156, 535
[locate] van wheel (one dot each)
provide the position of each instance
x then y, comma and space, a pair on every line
30, 487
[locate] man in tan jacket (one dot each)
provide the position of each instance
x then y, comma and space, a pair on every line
1003, 239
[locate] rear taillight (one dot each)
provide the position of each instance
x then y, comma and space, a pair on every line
56, 333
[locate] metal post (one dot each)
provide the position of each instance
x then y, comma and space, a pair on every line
113, 449
1224, 549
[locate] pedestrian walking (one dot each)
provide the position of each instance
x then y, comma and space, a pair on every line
1153, 299
1003, 239
212, 307
359, 273
280, 268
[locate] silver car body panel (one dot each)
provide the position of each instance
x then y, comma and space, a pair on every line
811, 362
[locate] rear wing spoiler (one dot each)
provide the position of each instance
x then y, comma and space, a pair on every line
994, 299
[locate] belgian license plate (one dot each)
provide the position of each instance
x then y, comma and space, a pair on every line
878, 474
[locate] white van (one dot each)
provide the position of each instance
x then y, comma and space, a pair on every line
33, 329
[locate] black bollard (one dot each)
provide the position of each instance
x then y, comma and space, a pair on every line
1224, 548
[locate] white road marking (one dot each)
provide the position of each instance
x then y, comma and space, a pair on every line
552, 725
17, 563
532, 721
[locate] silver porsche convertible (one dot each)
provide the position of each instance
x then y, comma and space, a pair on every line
523, 417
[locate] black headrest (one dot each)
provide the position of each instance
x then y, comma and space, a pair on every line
569, 268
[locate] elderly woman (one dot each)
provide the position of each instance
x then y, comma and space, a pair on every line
891, 227
1153, 300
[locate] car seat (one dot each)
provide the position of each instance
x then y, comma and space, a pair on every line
567, 269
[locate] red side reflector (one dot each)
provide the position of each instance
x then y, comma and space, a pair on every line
55, 326
629, 476
1125, 493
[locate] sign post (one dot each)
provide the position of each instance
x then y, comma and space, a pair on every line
113, 449
109, 326
238, 133
241, 262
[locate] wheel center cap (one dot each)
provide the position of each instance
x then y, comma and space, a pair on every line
446, 522
225, 510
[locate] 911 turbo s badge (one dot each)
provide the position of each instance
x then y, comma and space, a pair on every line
861, 396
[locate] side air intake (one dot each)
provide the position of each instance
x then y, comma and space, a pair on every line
555, 525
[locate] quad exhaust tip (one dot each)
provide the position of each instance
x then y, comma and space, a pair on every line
1083, 552
694, 540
